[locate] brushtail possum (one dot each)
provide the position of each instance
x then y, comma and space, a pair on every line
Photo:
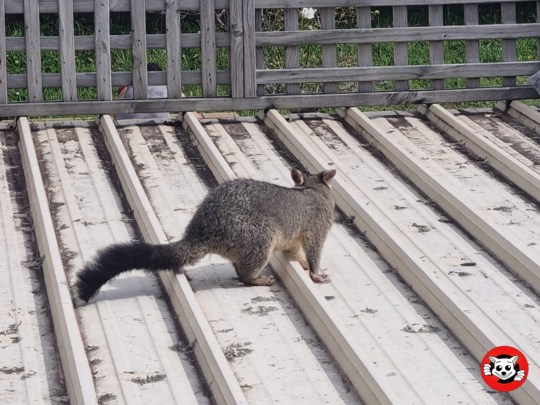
243, 221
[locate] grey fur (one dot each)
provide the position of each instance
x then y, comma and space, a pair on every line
243, 221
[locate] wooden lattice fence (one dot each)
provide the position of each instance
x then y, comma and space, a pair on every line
248, 74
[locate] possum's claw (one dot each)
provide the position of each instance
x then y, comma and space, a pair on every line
269, 280
319, 278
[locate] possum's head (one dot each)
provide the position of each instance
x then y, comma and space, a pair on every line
309, 180
504, 367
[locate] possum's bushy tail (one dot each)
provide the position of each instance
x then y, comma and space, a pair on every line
119, 258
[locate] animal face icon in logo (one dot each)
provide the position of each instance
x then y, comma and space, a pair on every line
504, 368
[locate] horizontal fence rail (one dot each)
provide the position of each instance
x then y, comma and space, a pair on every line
367, 3
87, 6
276, 55
397, 35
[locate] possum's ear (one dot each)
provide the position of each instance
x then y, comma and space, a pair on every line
298, 177
493, 359
327, 176
514, 359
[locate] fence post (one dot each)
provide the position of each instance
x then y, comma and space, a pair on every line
236, 53
250, 65
208, 48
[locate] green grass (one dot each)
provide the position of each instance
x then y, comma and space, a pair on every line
310, 56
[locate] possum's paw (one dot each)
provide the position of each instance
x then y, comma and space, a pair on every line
319, 278
487, 369
520, 375
269, 280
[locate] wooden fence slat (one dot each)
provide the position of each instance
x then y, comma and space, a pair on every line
472, 48
88, 79
436, 48
138, 46
292, 53
121, 42
259, 52
67, 50
365, 3
103, 50
401, 50
412, 72
86, 6
328, 22
208, 48
250, 63
266, 76
3, 55
538, 22
365, 51
236, 52
262, 103
509, 51
33, 51
83, 6
278, 38
399, 35
174, 49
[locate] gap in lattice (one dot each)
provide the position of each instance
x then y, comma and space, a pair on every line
48, 25
489, 13
454, 14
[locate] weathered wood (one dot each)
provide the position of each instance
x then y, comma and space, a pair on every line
401, 50
103, 50
361, 3
54, 80
85, 6
431, 72
174, 49
538, 22
208, 48
259, 53
250, 57
236, 53
365, 51
121, 42
322, 37
292, 53
472, 48
3, 55
248, 76
328, 22
262, 103
376, 35
33, 51
138, 46
509, 51
436, 48
67, 50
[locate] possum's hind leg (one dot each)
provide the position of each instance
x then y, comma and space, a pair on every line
249, 271
298, 252
312, 245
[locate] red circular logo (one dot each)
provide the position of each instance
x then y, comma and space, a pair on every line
504, 368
